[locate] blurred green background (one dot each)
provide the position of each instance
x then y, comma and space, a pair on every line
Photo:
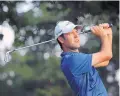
36, 71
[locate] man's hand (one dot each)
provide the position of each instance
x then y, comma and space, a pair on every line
107, 29
101, 30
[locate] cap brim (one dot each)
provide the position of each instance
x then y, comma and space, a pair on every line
79, 27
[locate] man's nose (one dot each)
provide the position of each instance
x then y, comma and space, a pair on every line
1, 36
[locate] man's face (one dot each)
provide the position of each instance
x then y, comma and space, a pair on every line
72, 40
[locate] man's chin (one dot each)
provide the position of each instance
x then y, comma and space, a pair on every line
78, 46
75, 48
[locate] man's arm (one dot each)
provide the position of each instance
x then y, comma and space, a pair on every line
105, 63
102, 57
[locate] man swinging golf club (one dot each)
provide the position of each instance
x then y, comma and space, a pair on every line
80, 68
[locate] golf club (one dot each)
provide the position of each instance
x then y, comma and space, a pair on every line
84, 29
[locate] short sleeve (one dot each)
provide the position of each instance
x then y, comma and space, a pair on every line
80, 63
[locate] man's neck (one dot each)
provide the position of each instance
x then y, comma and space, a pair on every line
71, 50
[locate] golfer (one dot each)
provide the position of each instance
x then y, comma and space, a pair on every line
80, 68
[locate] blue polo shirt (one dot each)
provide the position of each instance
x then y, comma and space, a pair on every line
82, 77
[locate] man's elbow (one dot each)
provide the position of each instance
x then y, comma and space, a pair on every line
108, 56
106, 64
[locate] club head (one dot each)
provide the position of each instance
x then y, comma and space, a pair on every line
7, 57
1, 36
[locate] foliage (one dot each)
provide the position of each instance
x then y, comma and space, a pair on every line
36, 71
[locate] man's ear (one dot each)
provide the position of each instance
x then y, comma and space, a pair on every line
61, 39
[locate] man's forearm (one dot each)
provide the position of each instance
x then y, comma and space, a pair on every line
110, 40
106, 47
105, 63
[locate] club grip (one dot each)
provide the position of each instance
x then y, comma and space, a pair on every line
110, 25
88, 30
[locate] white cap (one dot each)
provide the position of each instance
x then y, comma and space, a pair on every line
63, 27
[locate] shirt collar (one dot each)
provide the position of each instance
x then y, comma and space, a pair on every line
67, 53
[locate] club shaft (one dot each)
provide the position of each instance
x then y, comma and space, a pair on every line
32, 45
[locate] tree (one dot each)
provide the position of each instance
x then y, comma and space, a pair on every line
37, 71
